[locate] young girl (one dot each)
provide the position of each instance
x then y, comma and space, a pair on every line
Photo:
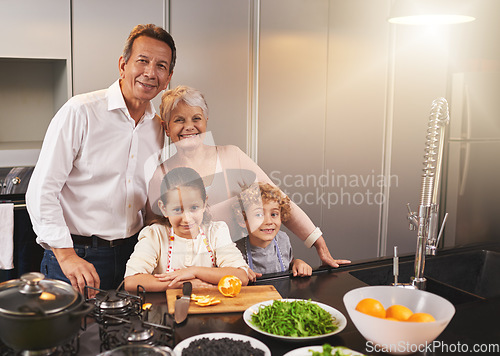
185, 245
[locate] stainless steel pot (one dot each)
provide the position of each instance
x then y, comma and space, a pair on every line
38, 313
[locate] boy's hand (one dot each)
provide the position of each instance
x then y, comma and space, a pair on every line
301, 269
252, 276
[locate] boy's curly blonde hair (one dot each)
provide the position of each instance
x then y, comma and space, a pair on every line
260, 193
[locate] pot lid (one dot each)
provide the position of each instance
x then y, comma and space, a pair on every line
32, 294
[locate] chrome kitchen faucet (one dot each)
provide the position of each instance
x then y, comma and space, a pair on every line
427, 219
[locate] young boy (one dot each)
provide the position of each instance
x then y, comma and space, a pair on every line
260, 210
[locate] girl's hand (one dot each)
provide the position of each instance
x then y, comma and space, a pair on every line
176, 278
301, 269
198, 283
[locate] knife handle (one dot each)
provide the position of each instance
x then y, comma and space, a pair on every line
187, 289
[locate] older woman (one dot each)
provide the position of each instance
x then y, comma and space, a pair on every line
225, 169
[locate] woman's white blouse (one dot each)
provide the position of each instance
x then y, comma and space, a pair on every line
151, 252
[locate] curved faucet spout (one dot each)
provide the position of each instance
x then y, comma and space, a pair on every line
426, 221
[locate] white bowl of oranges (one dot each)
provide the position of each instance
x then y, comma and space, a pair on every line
395, 320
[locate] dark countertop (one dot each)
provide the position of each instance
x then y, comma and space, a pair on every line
475, 323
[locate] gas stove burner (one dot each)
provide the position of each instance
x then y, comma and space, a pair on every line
122, 319
112, 300
135, 331
115, 303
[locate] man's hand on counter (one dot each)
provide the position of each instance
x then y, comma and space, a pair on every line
78, 271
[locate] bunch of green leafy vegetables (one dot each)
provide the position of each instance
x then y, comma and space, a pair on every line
327, 351
297, 318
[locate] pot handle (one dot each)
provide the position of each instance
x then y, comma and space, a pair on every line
84, 310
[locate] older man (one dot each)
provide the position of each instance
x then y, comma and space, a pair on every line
88, 191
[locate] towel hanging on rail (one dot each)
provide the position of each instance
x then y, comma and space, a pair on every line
7, 236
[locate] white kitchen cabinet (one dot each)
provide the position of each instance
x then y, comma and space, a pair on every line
35, 29
344, 99
100, 29
322, 113
354, 129
35, 67
292, 101
421, 73
213, 45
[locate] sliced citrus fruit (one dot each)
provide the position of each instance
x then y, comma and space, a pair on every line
198, 297
205, 302
229, 286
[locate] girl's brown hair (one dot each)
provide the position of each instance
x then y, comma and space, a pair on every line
182, 177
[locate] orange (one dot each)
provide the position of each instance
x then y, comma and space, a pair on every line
371, 307
421, 318
398, 312
229, 286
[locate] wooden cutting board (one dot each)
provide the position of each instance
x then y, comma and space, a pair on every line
248, 296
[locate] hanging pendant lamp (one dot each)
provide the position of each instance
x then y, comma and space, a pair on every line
431, 12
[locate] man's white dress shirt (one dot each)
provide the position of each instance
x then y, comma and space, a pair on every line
94, 169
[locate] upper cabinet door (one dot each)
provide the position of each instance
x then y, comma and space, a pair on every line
35, 29
100, 29
213, 55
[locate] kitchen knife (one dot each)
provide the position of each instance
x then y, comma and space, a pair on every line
182, 304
